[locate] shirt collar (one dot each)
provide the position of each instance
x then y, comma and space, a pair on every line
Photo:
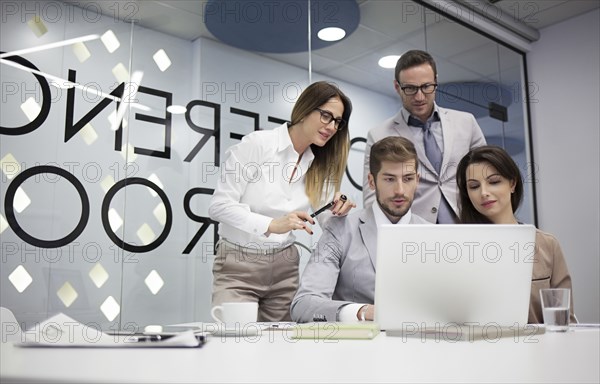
381, 218
285, 142
435, 115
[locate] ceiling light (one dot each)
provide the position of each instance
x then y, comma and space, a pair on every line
58, 80
63, 85
141, 107
331, 34
389, 61
22, 52
176, 109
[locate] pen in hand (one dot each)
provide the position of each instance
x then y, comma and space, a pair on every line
320, 210
327, 206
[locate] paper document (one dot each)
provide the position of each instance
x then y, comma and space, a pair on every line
63, 331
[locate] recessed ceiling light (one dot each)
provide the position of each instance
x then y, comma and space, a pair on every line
176, 109
389, 61
331, 34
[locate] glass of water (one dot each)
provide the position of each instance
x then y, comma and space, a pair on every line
555, 307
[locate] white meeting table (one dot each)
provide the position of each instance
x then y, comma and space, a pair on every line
572, 357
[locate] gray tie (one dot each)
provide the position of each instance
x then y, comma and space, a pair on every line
445, 214
432, 150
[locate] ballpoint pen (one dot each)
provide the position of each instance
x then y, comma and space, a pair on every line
327, 206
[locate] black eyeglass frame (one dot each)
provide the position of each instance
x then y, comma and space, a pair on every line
327, 117
414, 89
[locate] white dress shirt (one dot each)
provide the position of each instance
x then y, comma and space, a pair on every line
255, 187
348, 312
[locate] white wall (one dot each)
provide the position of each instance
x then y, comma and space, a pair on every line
564, 68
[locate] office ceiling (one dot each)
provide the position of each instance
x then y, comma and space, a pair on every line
386, 27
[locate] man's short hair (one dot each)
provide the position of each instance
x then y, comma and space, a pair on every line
412, 59
396, 149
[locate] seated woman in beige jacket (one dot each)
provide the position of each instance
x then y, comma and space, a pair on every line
490, 191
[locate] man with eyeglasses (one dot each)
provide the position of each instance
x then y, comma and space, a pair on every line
441, 136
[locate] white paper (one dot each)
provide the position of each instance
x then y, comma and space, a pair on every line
61, 331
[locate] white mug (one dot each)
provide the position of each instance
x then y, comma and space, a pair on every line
233, 314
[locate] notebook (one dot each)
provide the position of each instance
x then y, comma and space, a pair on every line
434, 276
336, 331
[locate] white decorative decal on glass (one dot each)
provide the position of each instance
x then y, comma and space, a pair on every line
67, 294
162, 60
20, 278
154, 282
10, 166
98, 275
110, 41
110, 308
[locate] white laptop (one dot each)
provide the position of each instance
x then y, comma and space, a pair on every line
433, 275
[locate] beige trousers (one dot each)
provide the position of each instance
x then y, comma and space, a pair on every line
269, 278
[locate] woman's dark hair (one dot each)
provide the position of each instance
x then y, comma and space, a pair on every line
498, 158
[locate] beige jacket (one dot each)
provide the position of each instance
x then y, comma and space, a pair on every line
461, 133
549, 271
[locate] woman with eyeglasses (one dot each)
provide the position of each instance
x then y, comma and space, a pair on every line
268, 184
490, 190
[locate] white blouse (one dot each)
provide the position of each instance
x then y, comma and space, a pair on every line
254, 187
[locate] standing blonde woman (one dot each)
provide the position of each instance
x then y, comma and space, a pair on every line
268, 184
490, 190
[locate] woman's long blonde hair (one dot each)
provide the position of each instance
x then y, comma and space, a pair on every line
329, 164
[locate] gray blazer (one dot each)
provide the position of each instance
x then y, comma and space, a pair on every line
341, 269
460, 132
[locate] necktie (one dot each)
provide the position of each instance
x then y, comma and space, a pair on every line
432, 150
445, 214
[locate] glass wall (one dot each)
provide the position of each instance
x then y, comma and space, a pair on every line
105, 187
